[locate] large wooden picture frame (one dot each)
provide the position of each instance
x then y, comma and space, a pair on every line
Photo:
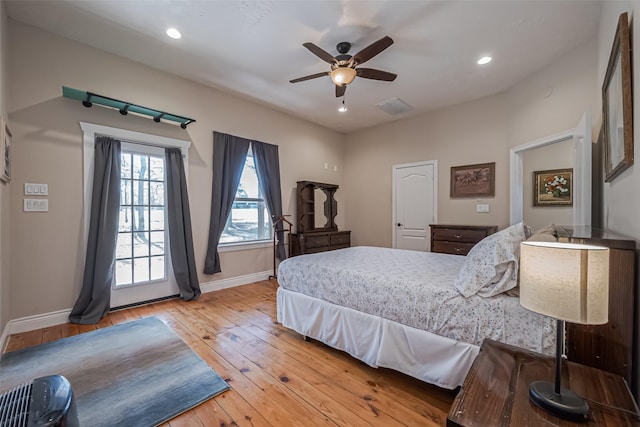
5, 152
473, 180
617, 105
553, 187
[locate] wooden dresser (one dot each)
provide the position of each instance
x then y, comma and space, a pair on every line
321, 241
458, 239
316, 212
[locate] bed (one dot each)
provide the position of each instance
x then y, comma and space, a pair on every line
323, 297
405, 310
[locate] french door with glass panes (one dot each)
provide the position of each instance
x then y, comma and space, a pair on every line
143, 265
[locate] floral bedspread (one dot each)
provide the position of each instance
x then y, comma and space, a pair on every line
415, 289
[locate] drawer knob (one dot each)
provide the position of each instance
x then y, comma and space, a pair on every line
457, 236
458, 249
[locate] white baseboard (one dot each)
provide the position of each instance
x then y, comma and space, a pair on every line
231, 282
30, 323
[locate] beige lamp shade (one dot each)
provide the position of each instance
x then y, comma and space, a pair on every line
566, 281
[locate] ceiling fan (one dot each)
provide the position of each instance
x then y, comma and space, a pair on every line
343, 66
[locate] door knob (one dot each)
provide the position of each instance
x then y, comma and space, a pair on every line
399, 225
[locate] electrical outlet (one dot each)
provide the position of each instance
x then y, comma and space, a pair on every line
36, 205
482, 208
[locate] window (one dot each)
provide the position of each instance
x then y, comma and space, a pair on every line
141, 249
249, 220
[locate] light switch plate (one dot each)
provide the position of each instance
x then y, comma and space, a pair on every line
36, 205
482, 208
31, 189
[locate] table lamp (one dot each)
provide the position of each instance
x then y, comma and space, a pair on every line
569, 282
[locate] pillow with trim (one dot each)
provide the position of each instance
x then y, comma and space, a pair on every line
491, 266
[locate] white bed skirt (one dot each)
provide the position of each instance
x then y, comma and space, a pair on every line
377, 341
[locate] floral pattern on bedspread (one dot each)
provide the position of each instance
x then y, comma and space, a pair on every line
417, 290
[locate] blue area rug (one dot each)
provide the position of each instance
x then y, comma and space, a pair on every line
136, 374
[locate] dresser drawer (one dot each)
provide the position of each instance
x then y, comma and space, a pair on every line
339, 239
454, 248
319, 241
458, 235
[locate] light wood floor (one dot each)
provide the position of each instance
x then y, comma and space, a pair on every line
276, 378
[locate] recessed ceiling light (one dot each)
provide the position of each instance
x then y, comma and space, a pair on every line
173, 33
484, 60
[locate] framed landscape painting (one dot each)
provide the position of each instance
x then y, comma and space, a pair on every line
553, 187
473, 180
5, 152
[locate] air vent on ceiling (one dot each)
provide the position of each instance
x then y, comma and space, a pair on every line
394, 106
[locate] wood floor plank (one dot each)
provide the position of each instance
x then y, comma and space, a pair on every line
51, 333
276, 378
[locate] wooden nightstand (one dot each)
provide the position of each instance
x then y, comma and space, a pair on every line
496, 391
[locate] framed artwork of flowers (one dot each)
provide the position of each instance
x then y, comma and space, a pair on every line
553, 187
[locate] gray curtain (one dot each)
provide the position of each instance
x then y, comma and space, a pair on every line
183, 258
229, 154
268, 171
95, 295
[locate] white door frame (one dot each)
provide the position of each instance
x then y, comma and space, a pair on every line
581, 136
394, 221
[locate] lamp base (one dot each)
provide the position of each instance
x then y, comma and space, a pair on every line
566, 405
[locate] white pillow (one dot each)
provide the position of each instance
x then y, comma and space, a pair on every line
491, 266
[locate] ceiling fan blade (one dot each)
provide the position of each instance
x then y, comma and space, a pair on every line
320, 53
309, 77
372, 50
340, 90
370, 73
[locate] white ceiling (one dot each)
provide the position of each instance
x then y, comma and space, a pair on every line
253, 48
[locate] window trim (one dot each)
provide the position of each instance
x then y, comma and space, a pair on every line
90, 130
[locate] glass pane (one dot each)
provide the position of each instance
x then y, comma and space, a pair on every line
140, 270
140, 192
156, 193
123, 272
140, 218
157, 267
123, 247
125, 165
140, 244
157, 243
156, 168
264, 222
247, 221
140, 167
248, 186
125, 192
157, 219
126, 219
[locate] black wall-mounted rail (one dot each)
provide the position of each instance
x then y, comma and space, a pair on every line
90, 98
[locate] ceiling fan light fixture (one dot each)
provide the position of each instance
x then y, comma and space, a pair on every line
343, 75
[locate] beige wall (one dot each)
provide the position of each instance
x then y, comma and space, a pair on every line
47, 247
553, 99
621, 200
554, 156
4, 188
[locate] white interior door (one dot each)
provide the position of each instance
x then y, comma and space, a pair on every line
415, 204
